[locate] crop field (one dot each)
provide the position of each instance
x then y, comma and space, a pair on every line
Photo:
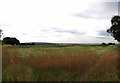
59, 63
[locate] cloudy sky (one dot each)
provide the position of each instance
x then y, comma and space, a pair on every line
58, 21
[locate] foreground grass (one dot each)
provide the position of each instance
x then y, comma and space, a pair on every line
81, 63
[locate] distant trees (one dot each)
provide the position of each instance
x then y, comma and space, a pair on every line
106, 44
11, 41
103, 44
27, 43
115, 28
8, 40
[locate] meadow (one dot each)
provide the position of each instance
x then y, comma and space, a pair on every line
59, 63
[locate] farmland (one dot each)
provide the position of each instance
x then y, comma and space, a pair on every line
59, 63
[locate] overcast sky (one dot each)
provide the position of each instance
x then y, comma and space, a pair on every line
58, 21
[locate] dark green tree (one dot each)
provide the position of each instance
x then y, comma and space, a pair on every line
0, 34
115, 28
115, 32
11, 41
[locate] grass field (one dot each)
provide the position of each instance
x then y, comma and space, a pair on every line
52, 63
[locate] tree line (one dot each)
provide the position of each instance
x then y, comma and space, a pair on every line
14, 41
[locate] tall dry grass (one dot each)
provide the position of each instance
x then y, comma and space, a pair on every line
10, 60
79, 64
106, 69
12, 65
86, 66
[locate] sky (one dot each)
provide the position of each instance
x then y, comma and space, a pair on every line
58, 21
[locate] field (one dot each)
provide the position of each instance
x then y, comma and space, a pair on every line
59, 63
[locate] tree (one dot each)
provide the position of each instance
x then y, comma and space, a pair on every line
11, 41
115, 28
103, 44
0, 34
115, 32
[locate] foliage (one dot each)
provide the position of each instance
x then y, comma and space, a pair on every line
1, 35
11, 41
115, 28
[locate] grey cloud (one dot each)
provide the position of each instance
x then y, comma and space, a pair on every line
4, 25
119, 7
83, 15
75, 32
24, 33
102, 10
103, 33
102, 37
110, 6
58, 35
58, 30
44, 30
42, 36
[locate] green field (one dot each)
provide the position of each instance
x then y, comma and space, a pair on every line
59, 63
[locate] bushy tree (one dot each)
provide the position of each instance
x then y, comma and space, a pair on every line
0, 34
115, 32
115, 28
11, 41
